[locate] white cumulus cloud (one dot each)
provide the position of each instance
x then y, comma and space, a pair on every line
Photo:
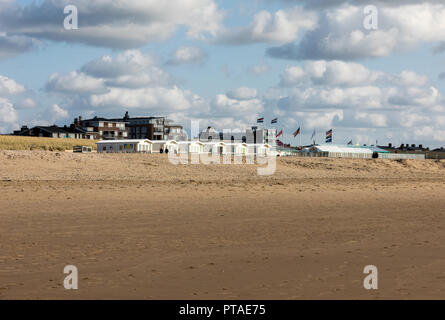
188, 55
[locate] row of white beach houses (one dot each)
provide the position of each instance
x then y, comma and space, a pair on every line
192, 147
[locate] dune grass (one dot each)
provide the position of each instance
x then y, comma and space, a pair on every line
37, 143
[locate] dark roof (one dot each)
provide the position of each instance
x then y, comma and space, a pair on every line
52, 129
57, 129
103, 119
145, 118
405, 148
74, 130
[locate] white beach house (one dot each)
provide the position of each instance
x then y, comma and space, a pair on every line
217, 147
125, 146
238, 148
262, 149
164, 146
193, 147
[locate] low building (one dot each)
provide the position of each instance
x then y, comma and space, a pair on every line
191, 147
265, 150
261, 149
125, 146
195, 147
364, 152
238, 149
414, 149
164, 146
82, 149
341, 151
51, 132
286, 150
405, 148
137, 145
215, 147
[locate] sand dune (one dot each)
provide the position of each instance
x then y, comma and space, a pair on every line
137, 226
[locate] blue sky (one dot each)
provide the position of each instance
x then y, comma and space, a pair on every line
226, 63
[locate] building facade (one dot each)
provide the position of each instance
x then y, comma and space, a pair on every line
250, 136
154, 128
265, 136
102, 128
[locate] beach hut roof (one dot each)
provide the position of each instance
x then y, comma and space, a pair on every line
237, 144
221, 143
125, 141
340, 149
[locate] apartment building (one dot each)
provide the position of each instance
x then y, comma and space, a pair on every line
154, 128
102, 128
250, 136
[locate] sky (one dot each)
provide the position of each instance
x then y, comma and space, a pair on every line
372, 75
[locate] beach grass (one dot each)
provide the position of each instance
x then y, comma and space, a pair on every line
38, 143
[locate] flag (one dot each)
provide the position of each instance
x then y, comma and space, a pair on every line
279, 143
296, 133
280, 133
260, 120
313, 134
274, 121
329, 133
329, 136
350, 143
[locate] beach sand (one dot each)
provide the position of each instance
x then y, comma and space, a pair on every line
137, 226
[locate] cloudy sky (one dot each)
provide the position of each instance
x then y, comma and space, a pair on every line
310, 63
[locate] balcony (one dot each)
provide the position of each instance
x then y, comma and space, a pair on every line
109, 136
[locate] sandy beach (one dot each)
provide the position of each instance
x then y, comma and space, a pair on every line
138, 227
